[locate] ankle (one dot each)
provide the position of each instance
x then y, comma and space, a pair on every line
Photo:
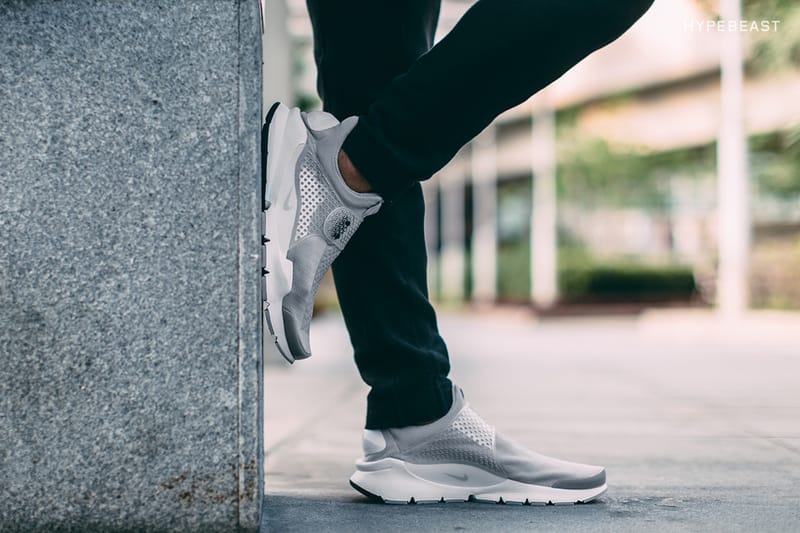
352, 177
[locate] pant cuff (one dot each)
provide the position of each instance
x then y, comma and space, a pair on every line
409, 405
382, 168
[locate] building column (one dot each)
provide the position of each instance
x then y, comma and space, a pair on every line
483, 162
430, 191
451, 260
732, 176
544, 242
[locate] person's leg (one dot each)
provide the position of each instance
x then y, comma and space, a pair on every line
500, 53
360, 47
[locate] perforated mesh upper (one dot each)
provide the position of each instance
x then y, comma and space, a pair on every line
316, 198
473, 426
468, 440
321, 212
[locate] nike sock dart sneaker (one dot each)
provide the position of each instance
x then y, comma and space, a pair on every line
310, 214
460, 457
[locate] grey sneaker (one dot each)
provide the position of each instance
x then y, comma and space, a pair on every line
459, 458
310, 214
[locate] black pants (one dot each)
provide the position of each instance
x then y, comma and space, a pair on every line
417, 108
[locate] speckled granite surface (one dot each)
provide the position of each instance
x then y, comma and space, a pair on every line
129, 305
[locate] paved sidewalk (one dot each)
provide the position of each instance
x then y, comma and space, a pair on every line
697, 422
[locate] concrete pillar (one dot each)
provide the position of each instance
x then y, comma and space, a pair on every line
452, 258
732, 175
484, 229
544, 242
130, 328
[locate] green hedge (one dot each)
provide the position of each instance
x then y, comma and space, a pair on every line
585, 279
625, 283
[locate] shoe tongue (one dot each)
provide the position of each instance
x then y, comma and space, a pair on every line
329, 142
410, 436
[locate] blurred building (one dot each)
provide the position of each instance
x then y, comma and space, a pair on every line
613, 165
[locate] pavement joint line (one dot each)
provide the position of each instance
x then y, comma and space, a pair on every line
658, 389
775, 441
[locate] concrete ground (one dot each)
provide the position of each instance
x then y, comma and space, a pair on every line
697, 421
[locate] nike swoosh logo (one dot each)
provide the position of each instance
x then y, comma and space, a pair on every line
462, 477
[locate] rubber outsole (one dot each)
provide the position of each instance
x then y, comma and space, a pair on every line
470, 499
396, 481
267, 327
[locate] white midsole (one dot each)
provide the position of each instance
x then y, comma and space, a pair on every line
287, 137
398, 482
